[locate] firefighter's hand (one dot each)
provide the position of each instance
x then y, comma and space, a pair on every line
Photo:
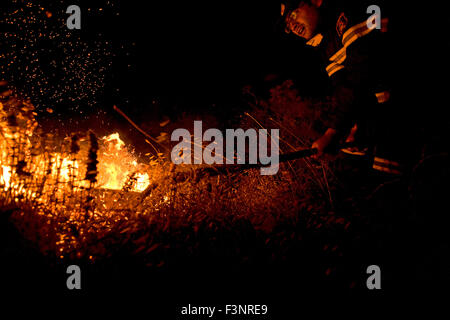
323, 142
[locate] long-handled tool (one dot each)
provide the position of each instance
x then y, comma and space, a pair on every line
223, 169
231, 168
295, 155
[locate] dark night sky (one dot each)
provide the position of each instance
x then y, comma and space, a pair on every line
179, 56
199, 53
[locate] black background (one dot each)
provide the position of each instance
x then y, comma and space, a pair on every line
191, 55
175, 56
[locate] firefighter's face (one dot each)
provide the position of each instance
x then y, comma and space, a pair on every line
303, 21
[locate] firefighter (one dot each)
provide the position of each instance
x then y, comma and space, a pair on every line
353, 40
376, 88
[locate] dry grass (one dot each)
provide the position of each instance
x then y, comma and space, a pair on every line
61, 207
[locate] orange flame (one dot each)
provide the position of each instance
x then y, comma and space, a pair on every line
21, 167
116, 164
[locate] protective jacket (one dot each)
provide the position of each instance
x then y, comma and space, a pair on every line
354, 44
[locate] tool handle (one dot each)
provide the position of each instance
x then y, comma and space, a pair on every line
298, 154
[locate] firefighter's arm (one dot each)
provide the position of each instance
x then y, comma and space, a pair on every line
339, 117
349, 85
324, 141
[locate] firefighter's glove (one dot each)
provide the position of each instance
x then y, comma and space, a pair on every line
324, 142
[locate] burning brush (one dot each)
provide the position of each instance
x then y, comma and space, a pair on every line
32, 165
77, 195
79, 178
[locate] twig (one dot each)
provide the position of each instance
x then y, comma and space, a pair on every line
138, 128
